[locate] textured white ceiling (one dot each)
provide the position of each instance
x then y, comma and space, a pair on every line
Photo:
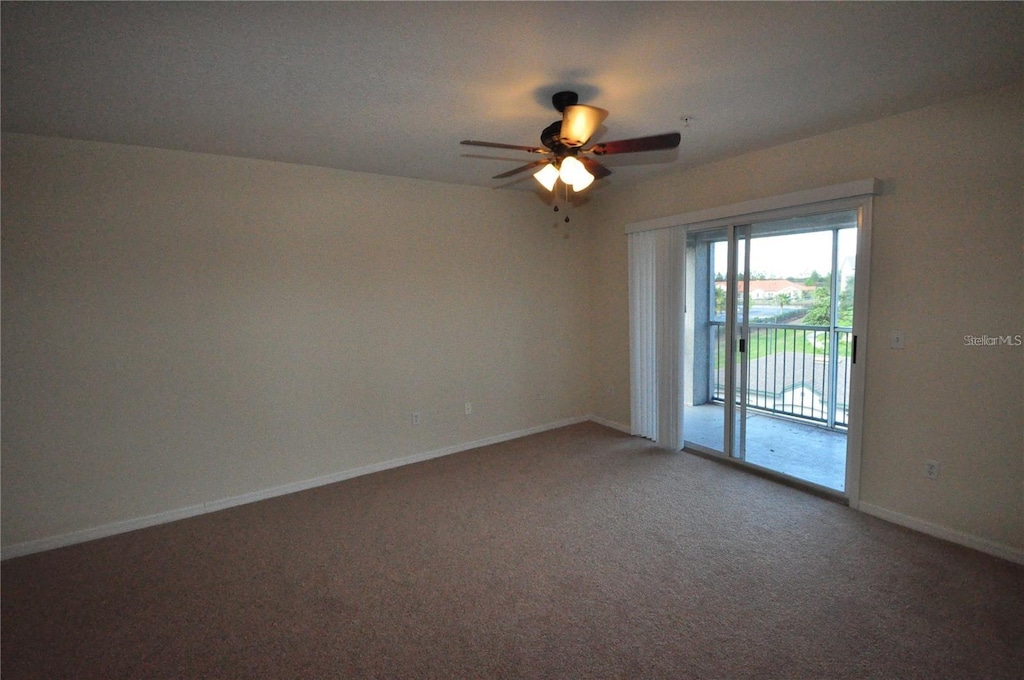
391, 88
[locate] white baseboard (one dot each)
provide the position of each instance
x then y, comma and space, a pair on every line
51, 542
102, 531
609, 423
945, 533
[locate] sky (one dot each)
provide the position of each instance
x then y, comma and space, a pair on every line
792, 255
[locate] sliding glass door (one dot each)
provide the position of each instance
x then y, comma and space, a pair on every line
769, 337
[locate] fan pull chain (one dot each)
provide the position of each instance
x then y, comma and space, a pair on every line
566, 199
566, 186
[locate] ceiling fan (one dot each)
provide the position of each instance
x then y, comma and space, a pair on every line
564, 141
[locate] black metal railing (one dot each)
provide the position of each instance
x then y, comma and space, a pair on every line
791, 370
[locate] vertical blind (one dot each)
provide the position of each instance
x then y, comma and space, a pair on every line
656, 296
643, 332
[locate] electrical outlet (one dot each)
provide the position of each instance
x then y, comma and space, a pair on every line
415, 417
897, 340
931, 469
469, 408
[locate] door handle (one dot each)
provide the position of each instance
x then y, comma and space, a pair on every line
743, 345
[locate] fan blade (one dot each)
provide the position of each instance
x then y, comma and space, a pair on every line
594, 168
579, 123
496, 145
522, 168
669, 140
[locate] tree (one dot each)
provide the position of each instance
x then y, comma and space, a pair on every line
845, 307
820, 312
783, 299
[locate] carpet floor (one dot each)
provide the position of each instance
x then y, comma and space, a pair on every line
575, 553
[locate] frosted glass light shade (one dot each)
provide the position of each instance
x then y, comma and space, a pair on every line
571, 170
547, 176
582, 182
579, 123
575, 174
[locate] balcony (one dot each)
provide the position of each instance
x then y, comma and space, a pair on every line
797, 380
793, 447
791, 371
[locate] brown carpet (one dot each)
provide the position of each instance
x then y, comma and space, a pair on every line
576, 553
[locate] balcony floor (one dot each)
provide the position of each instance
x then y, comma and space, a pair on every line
804, 451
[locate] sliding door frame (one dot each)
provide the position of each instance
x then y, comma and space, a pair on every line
849, 196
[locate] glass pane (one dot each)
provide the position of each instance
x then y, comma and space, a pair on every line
800, 299
790, 278
720, 251
793, 310
704, 340
846, 263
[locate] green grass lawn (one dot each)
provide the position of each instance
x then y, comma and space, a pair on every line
767, 341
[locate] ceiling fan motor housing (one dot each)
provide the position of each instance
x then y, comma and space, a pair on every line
551, 134
549, 137
560, 100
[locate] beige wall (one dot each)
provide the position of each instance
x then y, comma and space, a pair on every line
947, 261
181, 328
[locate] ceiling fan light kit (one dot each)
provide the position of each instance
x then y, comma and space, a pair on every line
564, 140
547, 176
573, 173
